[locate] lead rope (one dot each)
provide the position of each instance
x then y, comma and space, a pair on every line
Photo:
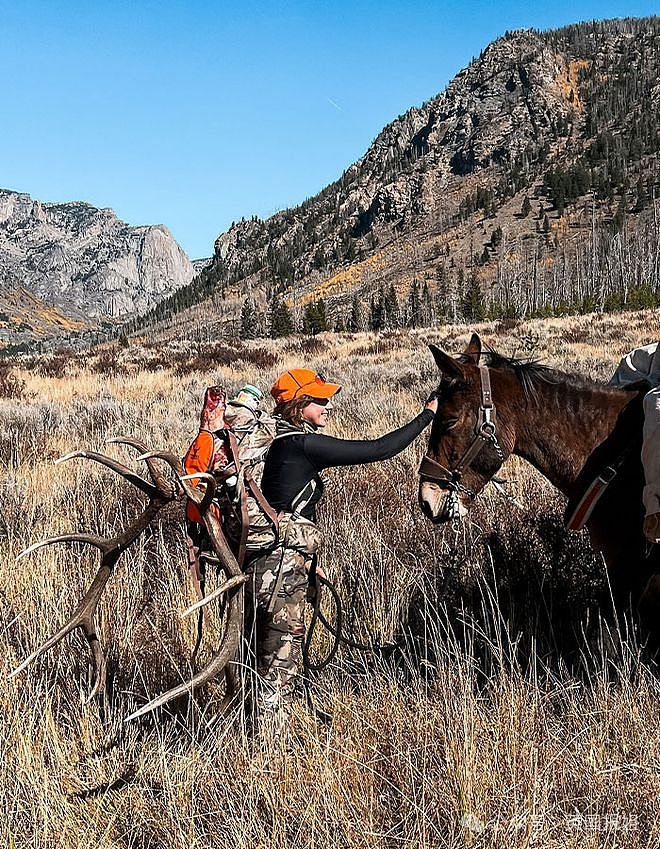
311, 667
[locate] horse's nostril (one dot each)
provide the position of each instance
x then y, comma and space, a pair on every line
426, 508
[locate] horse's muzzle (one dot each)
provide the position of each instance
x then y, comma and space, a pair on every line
440, 505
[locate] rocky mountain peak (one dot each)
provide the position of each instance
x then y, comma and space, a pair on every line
84, 260
530, 103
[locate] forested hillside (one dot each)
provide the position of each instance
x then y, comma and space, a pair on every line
528, 187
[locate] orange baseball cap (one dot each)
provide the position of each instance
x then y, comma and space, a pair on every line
302, 381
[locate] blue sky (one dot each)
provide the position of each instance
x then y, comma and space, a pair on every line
193, 114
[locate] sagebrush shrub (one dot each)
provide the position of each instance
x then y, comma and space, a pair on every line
11, 386
53, 366
108, 362
207, 358
260, 357
308, 345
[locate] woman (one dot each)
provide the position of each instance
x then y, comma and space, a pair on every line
292, 485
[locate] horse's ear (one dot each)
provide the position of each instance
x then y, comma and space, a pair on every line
447, 365
473, 350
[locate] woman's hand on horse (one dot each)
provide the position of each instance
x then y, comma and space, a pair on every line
432, 403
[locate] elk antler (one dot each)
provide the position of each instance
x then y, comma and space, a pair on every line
233, 588
221, 590
156, 475
160, 493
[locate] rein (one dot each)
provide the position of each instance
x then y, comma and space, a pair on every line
485, 433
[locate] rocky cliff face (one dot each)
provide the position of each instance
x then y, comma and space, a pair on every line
512, 99
562, 123
519, 100
84, 260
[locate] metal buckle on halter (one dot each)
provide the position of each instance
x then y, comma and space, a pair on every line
487, 429
487, 426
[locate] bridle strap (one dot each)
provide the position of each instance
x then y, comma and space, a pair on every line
486, 392
485, 434
433, 470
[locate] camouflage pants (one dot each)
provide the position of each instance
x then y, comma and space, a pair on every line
275, 614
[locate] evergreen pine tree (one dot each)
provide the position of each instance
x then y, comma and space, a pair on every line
315, 319
309, 319
560, 203
356, 320
249, 320
474, 308
391, 307
321, 317
443, 296
620, 217
376, 314
426, 306
281, 322
413, 304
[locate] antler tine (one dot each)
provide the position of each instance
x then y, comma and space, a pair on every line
148, 488
203, 500
228, 585
90, 539
83, 616
170, 458
112, 549
156, 475
225, 655
230, 641
207, 476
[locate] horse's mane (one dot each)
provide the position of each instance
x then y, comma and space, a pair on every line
530, 373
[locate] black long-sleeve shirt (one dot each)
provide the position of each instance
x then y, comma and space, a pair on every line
295, 460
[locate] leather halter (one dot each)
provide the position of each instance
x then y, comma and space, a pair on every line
485, 433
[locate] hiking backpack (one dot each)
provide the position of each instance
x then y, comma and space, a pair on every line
232, 445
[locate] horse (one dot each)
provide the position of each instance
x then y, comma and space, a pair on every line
572, 430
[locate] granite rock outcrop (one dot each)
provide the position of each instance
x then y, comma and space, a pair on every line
84, 260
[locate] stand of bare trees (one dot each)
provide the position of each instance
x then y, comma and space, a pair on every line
615, 267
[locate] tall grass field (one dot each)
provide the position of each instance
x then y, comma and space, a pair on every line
499, 708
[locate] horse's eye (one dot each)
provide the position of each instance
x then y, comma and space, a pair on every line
449, 424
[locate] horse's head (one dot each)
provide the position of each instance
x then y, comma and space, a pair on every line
468, 442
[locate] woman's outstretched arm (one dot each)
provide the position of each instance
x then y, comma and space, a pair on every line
325, 451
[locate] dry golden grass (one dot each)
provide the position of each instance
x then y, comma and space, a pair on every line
494, 723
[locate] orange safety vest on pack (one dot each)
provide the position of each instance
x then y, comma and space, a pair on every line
199, 458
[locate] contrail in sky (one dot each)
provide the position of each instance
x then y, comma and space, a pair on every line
336, 105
